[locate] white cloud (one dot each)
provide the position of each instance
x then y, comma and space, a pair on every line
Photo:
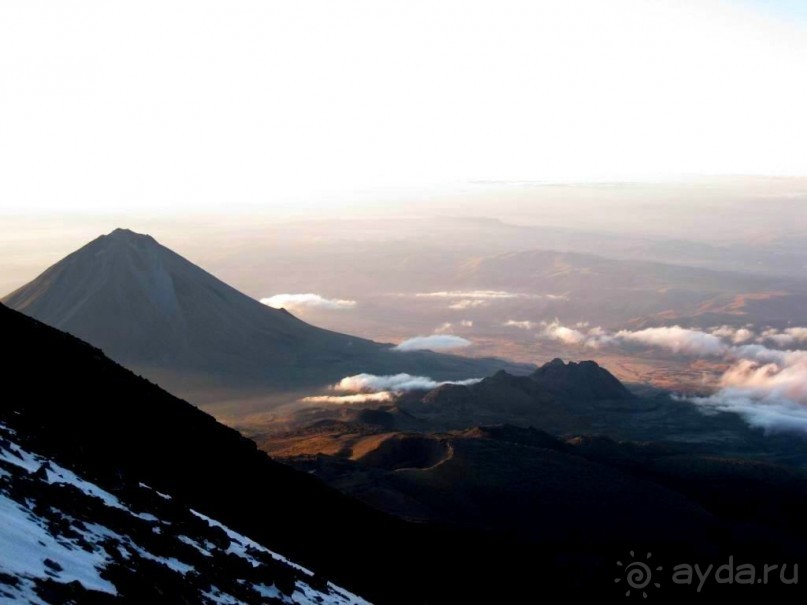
785, 338
435, 342
371, 388
380, 397
767, 387
449, 326
471, 294
468, 303
771, 396
523, 325
766, 413
723, 331
782, 338
676, 339
579, 335
734, 335
560, 333
471, 299
799, 334
785, 380
758, 353
307, 301
371, 383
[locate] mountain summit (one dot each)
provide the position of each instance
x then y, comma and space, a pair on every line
144, 304
159, 314
585, 380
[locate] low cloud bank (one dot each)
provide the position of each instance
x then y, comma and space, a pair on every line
770, 415
370, 388
435, 342
677, 340
471, 299
370, 383
473, 294
786, 338
467, 303
522, 325
769, 395
735, 335
307, 301
716, 342
449, 326
766, 386
381, 397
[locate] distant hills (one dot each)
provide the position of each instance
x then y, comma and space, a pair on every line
159, 314
561, 398
617, 291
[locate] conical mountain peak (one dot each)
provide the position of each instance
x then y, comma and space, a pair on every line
144, 304
125, 239
123, 234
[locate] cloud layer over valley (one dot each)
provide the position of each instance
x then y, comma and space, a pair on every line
764, 383
369, 388
307, 301
435, 342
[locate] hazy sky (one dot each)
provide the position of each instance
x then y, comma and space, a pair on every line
785, 9
181, 105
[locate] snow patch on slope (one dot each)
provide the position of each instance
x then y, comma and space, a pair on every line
42, 542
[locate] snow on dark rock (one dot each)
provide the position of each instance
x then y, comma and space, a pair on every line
65, 539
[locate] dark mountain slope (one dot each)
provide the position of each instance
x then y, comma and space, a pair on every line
64, 539
75, 403
67, 401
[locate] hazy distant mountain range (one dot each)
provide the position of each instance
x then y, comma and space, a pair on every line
497, 284
594, 288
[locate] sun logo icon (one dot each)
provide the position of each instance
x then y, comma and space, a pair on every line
638, 575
